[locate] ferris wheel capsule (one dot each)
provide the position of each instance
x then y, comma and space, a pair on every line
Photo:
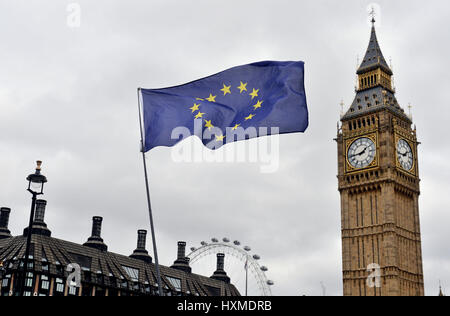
270, 282
193, 249
247, 248
203, 243
264, 268
256, 257
226, 240
237, 242
214, 240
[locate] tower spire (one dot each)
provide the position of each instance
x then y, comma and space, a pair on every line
374, 57
440, 289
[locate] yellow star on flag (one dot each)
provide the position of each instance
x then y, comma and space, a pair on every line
226, 89
235, 127
208, 124
220, 138
195, 107
254, 93
212, 98
250, 117
199, 115
258, 105
242, 87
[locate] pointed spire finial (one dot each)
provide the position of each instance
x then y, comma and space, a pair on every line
342, 107
440, 289
409, 108
373, 14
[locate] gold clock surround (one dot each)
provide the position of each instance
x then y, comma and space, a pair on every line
411, 144
349, 141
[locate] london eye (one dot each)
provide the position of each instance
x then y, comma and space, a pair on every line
243, 267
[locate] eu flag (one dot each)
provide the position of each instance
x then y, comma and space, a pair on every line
239, 103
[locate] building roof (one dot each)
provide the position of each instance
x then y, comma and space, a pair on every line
56, 254
373, 100
374, 57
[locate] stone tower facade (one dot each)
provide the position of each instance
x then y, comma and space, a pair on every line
378, 179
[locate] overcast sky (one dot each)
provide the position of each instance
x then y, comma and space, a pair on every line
68, 97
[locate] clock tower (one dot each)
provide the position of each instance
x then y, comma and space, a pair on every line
378, 179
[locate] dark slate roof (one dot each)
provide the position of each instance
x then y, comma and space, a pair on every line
59, 253
374, 57
373, 100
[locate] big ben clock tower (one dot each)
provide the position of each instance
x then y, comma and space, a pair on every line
379, 180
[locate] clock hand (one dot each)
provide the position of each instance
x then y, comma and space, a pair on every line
360, 153
403, 154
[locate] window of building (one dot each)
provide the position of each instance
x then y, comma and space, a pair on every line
73, 291
175, 282
29, 280
5, 285
147, 288
213, 291
5, 281
59, 267
45, 284
133, 273
83, 261
59, 288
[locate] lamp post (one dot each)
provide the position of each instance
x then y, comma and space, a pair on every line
35, 187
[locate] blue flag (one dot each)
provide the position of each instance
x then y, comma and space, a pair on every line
243, 102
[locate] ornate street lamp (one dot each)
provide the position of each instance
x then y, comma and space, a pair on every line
36, 181
35, 187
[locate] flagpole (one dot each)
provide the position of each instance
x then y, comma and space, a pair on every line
155, 252
246, 276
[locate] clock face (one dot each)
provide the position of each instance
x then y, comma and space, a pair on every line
404, 154
361, 152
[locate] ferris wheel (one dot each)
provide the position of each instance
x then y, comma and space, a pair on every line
242, 267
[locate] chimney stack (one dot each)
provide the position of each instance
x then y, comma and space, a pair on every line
39, 227
182, 262
97, 226
4, 221
141, 253
39, 215
96, 241
220, 273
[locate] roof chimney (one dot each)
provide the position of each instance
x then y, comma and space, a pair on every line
182, 262
96, 241
4, 220
39, 227
141, 253
220, 273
